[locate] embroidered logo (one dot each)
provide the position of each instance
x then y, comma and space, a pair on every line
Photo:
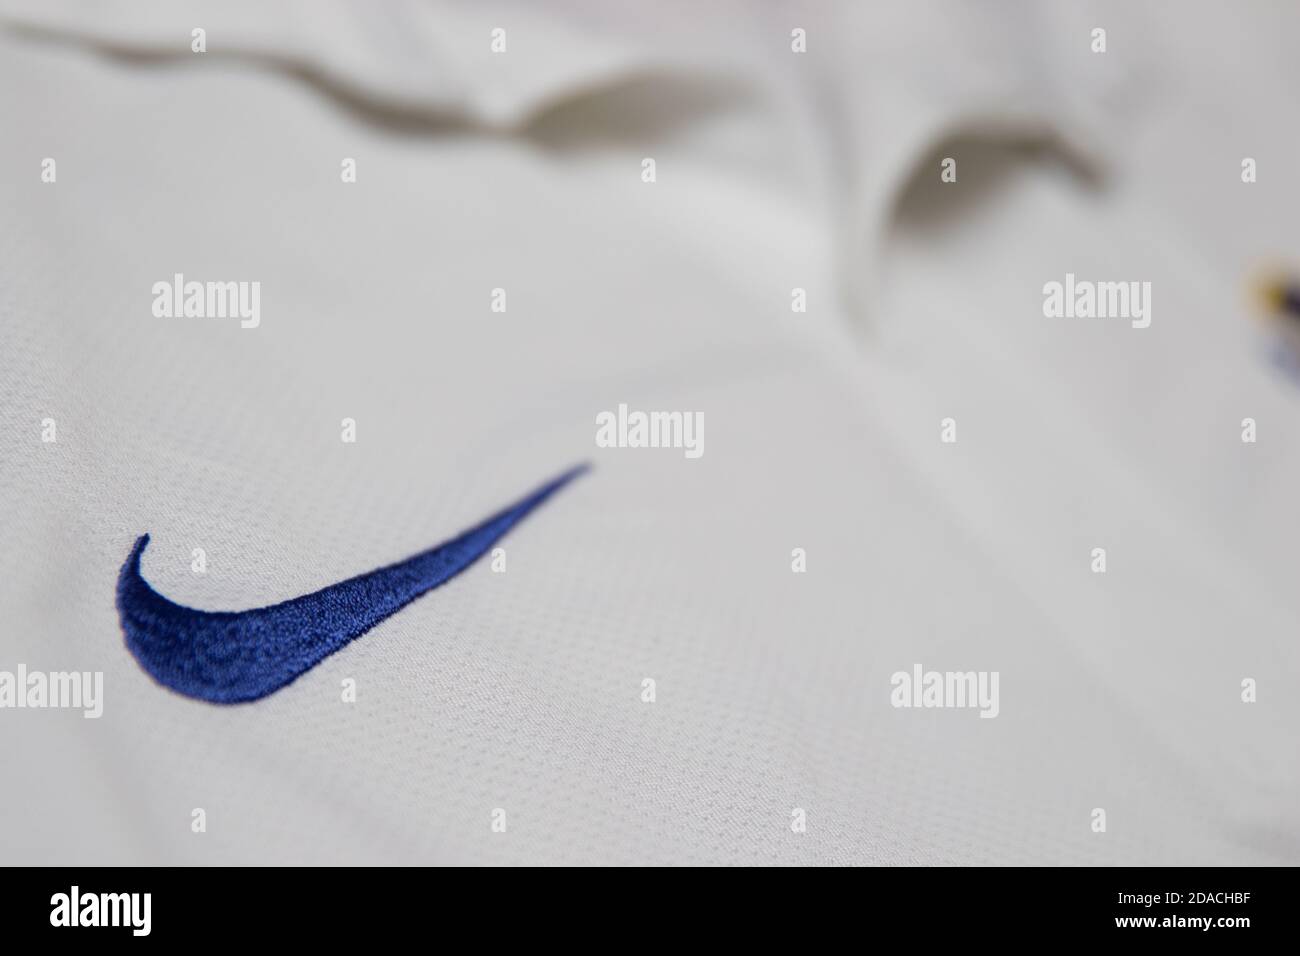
228, 657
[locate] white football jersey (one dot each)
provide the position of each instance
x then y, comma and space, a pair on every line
942, 501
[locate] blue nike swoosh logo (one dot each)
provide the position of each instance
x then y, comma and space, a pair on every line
229, 657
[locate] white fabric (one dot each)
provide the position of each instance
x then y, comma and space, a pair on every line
776, 170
